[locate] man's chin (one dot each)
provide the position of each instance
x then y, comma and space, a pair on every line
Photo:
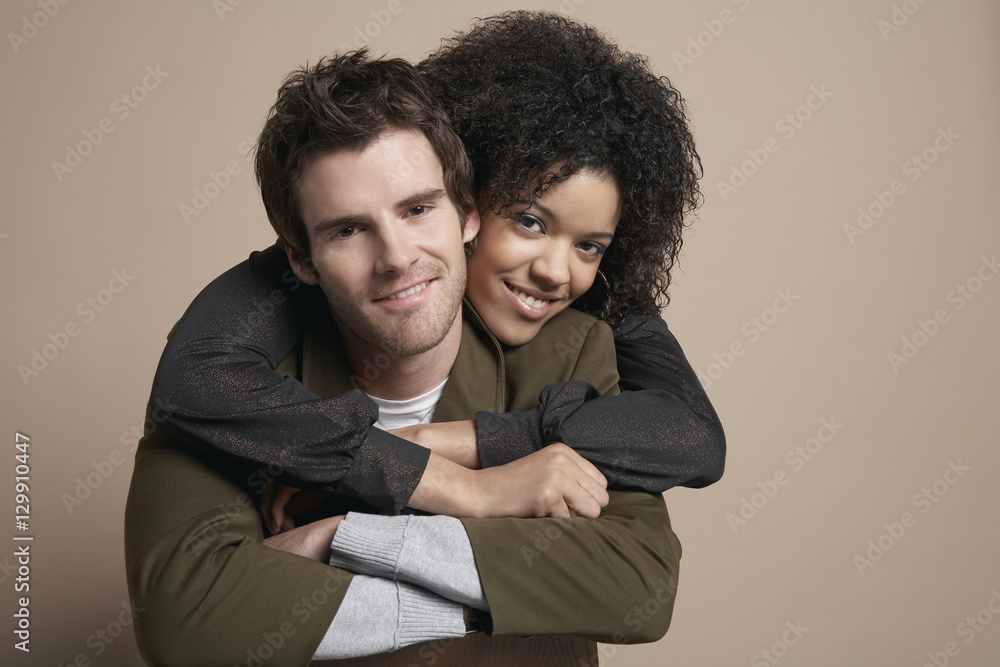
402, 337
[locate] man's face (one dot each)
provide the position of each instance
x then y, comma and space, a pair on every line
387, 244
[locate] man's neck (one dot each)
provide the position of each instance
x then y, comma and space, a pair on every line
399, 378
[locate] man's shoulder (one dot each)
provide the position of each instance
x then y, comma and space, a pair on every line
572, 327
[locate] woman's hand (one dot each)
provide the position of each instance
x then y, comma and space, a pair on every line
554, 481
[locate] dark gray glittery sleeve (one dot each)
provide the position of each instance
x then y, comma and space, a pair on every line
216, 388
660, 432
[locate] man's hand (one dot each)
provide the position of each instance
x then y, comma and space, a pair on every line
280, 504
554, 481
311, 540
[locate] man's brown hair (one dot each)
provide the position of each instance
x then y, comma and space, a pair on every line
346, 102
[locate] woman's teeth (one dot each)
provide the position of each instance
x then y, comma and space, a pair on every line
530, 300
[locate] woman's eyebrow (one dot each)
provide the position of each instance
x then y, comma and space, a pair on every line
552, 216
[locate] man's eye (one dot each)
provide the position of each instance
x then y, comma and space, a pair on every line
418, 210
345, 232
529, 222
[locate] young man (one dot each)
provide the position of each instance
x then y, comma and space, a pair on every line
385, 245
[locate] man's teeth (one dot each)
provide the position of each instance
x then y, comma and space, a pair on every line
408, 292
532, 301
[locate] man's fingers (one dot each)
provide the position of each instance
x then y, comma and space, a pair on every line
273, 502
267, 511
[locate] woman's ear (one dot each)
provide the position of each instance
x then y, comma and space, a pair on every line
303, 267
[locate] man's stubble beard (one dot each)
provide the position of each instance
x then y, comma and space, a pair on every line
409, 334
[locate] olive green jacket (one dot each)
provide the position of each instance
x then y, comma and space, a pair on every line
210, 592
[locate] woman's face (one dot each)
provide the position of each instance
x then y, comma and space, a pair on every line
535, 263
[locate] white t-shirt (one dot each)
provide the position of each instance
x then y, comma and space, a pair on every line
412, 411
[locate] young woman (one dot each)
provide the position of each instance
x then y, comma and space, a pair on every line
566, 134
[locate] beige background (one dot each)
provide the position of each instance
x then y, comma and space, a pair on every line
887, 94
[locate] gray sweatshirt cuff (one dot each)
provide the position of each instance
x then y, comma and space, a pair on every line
369, 543
378, 616
432, 552
424, 616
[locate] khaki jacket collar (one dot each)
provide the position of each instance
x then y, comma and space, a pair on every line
477, 380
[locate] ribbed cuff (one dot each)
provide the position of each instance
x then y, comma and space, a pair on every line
424, 616
369, 543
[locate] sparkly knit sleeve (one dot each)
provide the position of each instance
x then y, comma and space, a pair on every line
216, 387
660, 432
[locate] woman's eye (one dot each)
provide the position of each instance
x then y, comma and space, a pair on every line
418, 210
592, 248
530, 222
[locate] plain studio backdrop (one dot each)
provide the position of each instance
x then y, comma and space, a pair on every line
838, 295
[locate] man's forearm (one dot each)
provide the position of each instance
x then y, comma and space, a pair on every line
611, 579
198, 570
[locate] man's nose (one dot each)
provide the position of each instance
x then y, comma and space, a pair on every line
398, 250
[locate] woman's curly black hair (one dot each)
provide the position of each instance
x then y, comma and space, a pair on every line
537, 97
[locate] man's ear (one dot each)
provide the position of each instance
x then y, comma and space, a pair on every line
301, 266
471, 225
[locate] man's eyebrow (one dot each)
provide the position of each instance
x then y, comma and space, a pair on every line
351, 220
430, 195
552, 216
334, 223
